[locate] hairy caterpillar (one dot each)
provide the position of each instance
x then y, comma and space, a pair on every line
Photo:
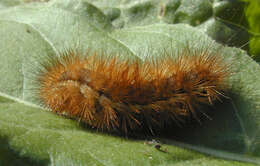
116, 94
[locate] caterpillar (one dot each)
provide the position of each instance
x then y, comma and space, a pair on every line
114, 94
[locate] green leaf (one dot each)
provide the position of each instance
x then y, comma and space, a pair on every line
6, 3
32, 136
223, 21
252, 12
44, 138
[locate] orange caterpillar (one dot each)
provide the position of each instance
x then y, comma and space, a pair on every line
115, 94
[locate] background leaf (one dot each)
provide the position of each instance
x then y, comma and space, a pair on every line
252, 12
224, 21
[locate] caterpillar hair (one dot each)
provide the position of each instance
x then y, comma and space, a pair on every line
109, 93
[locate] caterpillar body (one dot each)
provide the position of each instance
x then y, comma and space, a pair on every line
116, 94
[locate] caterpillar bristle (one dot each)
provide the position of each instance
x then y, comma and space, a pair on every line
114, 94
